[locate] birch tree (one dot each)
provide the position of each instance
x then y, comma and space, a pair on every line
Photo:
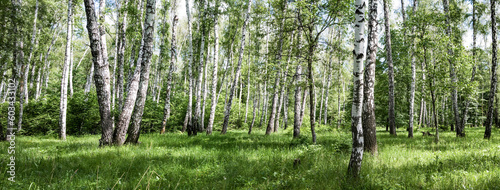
369, 123
493, 84
65, 74
390, 73
102, 74
214, 75
238, 70
173, 60
357, 97
147, 53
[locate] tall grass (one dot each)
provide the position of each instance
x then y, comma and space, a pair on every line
241, 161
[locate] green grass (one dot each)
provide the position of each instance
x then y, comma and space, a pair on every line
240, 161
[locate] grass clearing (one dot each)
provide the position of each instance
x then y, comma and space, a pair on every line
241, 161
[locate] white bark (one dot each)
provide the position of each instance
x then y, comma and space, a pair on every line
357, 103
65, 75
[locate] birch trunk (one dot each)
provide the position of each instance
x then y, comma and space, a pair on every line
147, 53
368, 115
197, 111
101, 75
120, 54
46, 65
284, 100
493, 87
65, 75
173, 60
205, 86
237, 74
26, 71
297, 107
214, 75
328, 81
412, 84
322, 96
388, 50
357, 96
271, 124
188, 123
454, 96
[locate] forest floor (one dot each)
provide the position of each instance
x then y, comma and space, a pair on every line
241, 161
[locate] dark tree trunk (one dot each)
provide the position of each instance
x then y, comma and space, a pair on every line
493, 87
101, 77
368, 115
388, 49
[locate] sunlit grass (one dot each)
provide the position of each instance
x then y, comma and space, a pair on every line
241, 161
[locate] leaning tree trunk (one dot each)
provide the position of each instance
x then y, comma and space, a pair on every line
493, 87
388, 50
173, 60
188, 123
214, 76
369, 122
147, 53
101, 75
357, 96
65, 74
238, 68
24, 80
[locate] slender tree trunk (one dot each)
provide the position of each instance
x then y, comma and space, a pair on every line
248, 88
90, 77
357, 96
493, 87
101, 75
298, 102
34, 43
122, 41
197, 111
303, 105
70, 71
173, 60
65, 75
454, 96
255, 106
388, 49
147, 53
46, 65
328, 81
237, 75
205, 86
431, 83
214, 75
322, 96
271, 124
413, 79
284, 97
188, 123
